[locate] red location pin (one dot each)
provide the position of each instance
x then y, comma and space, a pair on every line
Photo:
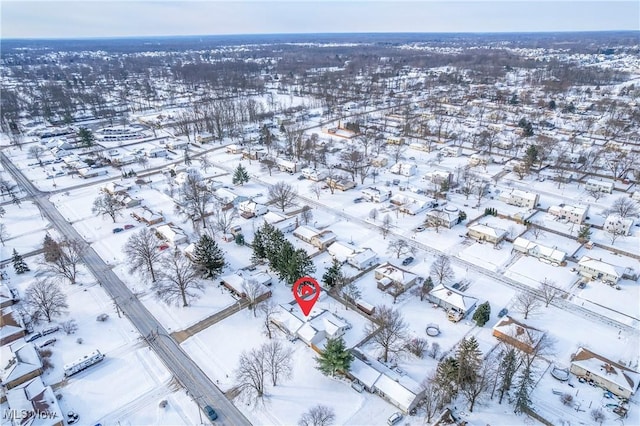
306, 291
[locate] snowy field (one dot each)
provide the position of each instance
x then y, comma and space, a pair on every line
25, 229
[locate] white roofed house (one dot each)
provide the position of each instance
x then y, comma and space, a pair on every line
250, 209
30, 398
552, 255
574, 214
520, 198
340, 251
314, 174
411, 204
172, 234
618, 224
243, 284
597, 269
393, 279
228, 198
363, 258
443, 217
287, 165
452, 300
599, 185
404, 169
281, 221
375, 194
20, 362
317, 238
618, 379
482, 232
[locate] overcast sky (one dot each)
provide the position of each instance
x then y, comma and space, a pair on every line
90, 18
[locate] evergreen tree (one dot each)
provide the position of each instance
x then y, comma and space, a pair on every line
86, 137
585, 233
257, 244
445, 378
208, 257
334, 358
469, 360
240, 176
51, 248
524, 387
332, 274
508, 369
297, 265
187, 158
482, 315
19, 265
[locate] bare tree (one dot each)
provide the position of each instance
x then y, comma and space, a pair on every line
253, 290
319, 415
36, 152
141, 249
278, 360
69, 326
178, 281
222, 219
549, 291
316, 189
352, 160
387, 222
65, 259
482, 379
536, 230
268, 309
4, 234
527, 303
45, 297
614, 233
195, 197
595, 194
373, 214
349, 289
306, 215
205, 163
251, 375
399, 248
441, 270
598, 415
389, 331
624, 207
107, 205
282, 195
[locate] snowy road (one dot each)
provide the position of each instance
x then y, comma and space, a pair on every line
199, 386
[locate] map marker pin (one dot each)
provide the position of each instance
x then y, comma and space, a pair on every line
306, 291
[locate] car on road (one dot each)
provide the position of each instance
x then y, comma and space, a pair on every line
503, 312
210, 412
116, 230
358, 200
407, 261
421, 228
128, 226
33, 337
395, 418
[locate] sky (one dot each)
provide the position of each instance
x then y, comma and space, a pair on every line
92, 18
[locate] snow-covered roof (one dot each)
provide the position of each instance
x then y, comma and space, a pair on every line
305, 232
598, 265
453, 297
395, 273
366, 374
532, 247
172, 233
18, 359
340, 251
397, 392
487, 230
274, 217
519, 331
607, 369
31, 397
524, 194
363, 256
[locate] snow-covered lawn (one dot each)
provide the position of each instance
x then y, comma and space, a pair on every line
486, 255
25, 229
530, 271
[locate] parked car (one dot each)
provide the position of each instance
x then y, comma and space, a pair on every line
163, 247
420, 228
102, 317
358, 200
50, 330
407, 261
211, 413
301, 177
128, 226
33, 337
357, 387
582, 284
72, 417
503, 312
116, 230
395, 418
48, 342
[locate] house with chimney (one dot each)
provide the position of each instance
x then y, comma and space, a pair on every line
610, 375
11, 327
20, 361
34, 404
518, 334
392, 278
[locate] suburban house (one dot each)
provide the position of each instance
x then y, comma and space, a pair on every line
20, 362
486, 233
11, 328
317, 238
243, 282
359, 258
395, 140
7, 297
228, 198
393, 279
156, 152
233, 149
89, 172
521, 198
544, 253
400, 390
281, 221
376, 195
171, 234
343, 184
178, 143
314, 329
287, 166
127, 201
447, 217
33, 397
404, 169
204, 137
599, 186
517, 334
452, 151
249, 209
314, 174
597, 269
608, 374
617, 224
145, 215
114, 188
456, 303
573, 214
410, 203
254, 154
379, 161
439, 177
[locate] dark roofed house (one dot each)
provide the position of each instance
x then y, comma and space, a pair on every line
11, 328
618, 379
518, 334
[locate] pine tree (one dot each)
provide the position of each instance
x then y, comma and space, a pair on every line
508, 370
524, 387
332, 274
51, 249
257, 244
19, 265
445, 378
469, 360
334, 358
584, 234
240, 176
208, 257
482, 315
86, 137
